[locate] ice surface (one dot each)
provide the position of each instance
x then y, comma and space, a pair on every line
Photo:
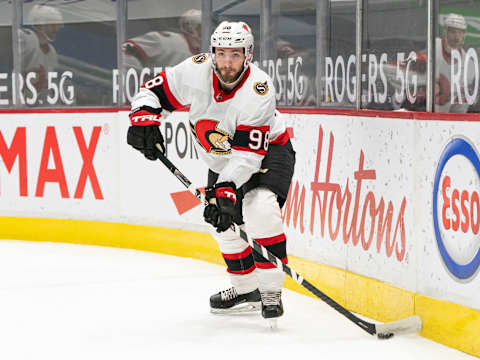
65, 302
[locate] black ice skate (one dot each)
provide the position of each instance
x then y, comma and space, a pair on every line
272, 307
230, 302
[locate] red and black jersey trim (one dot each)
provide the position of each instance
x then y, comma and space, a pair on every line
251, 138
282, 138
135, 50
277, 245
167, 99
240, 263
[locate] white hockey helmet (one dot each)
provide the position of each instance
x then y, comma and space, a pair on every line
455, 21
190, 19
44, 14
233, 35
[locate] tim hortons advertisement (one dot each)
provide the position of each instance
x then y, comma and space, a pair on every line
351, 201
449, 186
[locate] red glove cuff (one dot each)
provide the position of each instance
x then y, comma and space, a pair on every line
144, 118
226, 192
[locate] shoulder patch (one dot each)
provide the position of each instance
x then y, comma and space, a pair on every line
200, 58
260, 88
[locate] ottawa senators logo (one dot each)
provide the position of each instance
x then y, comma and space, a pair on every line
200, 58
260, 88
213, 140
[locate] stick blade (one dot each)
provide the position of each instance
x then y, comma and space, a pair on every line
408, 325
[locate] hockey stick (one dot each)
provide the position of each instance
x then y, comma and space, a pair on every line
383, 331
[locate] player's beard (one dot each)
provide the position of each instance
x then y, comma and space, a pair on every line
457, 44
229, 75
454, 43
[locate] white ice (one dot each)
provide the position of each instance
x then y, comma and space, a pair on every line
65, 302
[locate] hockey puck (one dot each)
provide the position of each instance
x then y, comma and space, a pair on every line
385, 336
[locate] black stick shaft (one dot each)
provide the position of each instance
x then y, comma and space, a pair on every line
365, 325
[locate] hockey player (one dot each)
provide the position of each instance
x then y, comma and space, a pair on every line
453, 39
246, 146
165, 48
38, 53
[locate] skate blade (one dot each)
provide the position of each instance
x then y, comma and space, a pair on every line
244, 308
272, 324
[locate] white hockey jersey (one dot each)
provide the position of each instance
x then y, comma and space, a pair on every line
232, 130
160, 49
37, 58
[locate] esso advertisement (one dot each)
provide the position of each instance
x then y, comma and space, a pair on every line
456, 208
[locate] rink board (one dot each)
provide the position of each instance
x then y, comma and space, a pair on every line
360, 217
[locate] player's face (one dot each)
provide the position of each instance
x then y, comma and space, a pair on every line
229, 63
454, 37
51, 30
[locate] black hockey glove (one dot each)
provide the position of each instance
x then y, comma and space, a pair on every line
220, 210
144, 133
144, 138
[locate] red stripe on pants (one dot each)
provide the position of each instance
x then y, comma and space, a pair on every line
272, 240
239, 255
269, 265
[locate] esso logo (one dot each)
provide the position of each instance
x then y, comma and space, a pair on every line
456, 208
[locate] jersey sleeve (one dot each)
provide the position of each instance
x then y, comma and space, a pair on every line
250, 141
171, 89
27, 41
